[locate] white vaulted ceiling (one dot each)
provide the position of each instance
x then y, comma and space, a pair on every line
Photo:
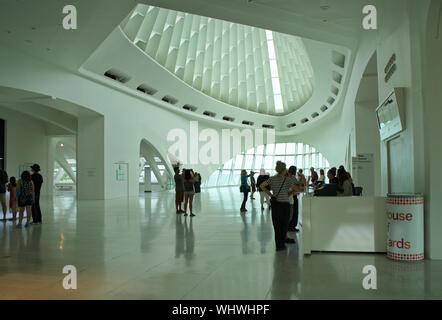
227, 61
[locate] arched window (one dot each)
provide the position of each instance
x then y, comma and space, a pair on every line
299, 154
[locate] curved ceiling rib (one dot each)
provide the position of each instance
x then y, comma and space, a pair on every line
227, 61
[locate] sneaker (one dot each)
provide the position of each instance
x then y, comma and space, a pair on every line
192, 215
185, 214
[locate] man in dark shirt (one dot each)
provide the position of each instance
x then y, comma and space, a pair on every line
179, 190
38, 181
3, 181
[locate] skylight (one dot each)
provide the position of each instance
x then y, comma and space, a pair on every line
276, 84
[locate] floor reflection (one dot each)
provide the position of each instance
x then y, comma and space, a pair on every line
140, 248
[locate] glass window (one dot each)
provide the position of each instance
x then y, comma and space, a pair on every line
251, 151
299, 162
248, 162
280, 148
290, 161
290, 149
258, 162
228, 164
238, 161
225, 178
213, 179
301, 155
268, 162
235, 180
278, 158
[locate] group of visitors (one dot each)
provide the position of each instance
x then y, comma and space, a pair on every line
24, 194
187, 183
343, 181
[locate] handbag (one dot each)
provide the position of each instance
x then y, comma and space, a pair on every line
273, 200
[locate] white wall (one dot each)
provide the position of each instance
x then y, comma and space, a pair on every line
26, 142
432, 80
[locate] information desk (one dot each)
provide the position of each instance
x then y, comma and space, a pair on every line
344, 224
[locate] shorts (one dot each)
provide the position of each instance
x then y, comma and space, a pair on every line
25, 201
189, 193
179, 196
3, 198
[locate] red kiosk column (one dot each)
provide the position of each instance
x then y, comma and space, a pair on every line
405, 227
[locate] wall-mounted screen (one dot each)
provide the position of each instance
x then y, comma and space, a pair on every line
390, 116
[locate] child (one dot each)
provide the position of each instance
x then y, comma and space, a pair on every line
12, 189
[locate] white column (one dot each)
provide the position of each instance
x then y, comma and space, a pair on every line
147, 180
90, 158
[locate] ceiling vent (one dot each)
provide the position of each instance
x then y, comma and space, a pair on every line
334, 90
330, 100
324, 108
337, 77
338, 59
146, 89
189, 107
169, 99
291, 125
117, 75
268, 126
209, 114
315, 114
228, 119
305, 120
248, 123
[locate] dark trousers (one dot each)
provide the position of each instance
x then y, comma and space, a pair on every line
280, 219
243, 205
36, 212
294, 221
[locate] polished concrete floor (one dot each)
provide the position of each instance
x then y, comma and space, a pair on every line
139, 248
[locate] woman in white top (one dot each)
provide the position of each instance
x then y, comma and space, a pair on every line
282, 187
344, 185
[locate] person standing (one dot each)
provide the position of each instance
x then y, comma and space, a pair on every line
25, 197
179, 190
245, 189
197, 182
294, 211
12, 189
282, 186
189, 190
3, 182
262, 195
37, 179
253, 185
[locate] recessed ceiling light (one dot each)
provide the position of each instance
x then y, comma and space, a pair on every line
28, 41
34, 28
325, 7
